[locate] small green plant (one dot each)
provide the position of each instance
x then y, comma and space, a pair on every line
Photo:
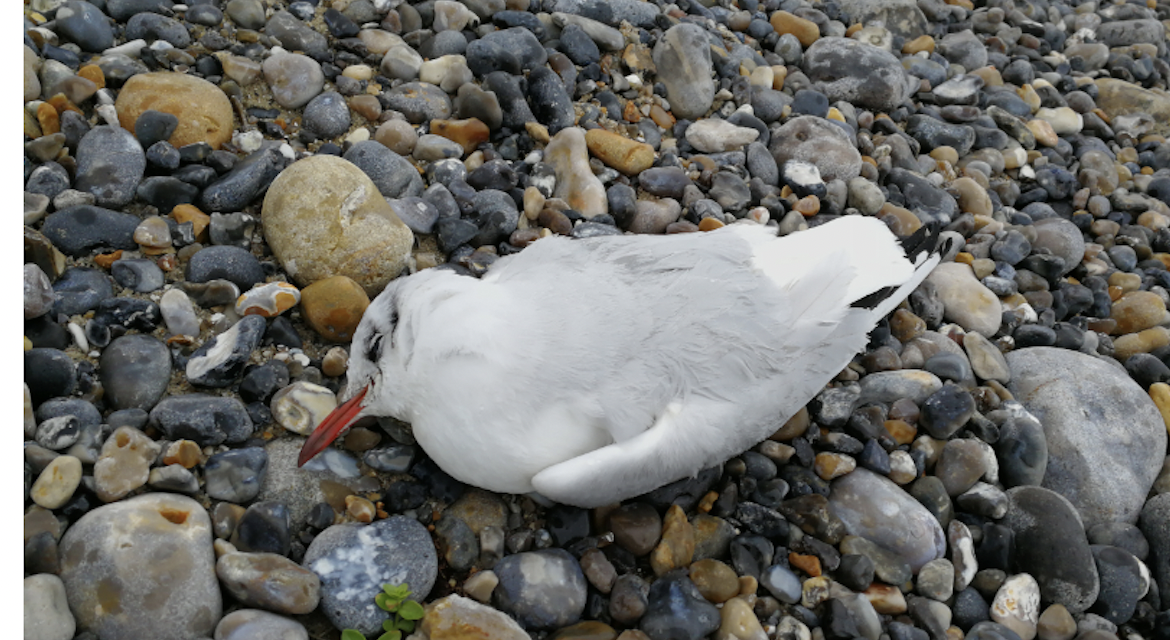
393, 599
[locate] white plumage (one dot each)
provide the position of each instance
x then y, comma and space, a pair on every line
593, 370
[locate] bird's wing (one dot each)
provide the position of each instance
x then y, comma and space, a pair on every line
760, 355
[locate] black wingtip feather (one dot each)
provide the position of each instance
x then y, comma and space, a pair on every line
923, 242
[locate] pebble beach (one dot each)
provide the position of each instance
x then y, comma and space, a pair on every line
214, 192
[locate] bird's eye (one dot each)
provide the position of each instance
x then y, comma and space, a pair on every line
374, 351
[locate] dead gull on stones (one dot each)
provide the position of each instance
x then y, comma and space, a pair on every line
593, 370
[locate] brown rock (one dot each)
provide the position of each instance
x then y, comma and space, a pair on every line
715, 580
398, 136
199, 220
739, 622
457, 618
1138, 311
677, 547
1044, 133
806, 31
48, 119
972, 198
919, 44
628, 156
334, 307
902, 432
1140, 342
323, 216
270, 581
204, 112
636, 527
807, 563
469, 133
586, 630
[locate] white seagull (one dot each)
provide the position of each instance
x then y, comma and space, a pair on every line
594, 370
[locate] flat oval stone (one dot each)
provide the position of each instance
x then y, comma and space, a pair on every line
683, 59
129, 564
354, 561
81, 289
135, 371
46, 608
1017, 605
1050, 544
393, 174
845, 69
246, 180
270, 581
878, 510
1105, 438
208, 420
293, 78
819, 142
204, 110
966, 301
325, 217
110, 164
236, 475
80, 229
455, 616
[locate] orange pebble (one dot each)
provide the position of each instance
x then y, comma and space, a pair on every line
808, 206
630, 112
190, 213
62, 104
808, 563
48, 119
106, 260
709, 224
94, 74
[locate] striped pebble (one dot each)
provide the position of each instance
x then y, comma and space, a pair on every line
268, 300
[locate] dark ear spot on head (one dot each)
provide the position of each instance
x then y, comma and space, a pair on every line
374, 348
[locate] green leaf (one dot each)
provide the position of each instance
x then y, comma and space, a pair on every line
389, 624
391, 635
352, 634
406, 625
411, 610
383, 601
397, 592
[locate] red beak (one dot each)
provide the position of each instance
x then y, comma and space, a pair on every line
331, 427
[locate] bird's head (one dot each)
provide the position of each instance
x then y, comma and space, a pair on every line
377, 357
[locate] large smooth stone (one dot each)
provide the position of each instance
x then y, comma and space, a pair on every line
354, 561
820, 142
683, 59
576, 184
1050, 544
323, 216
1106, 439
204, 112
901, 17
859, 73
874, 508
1118, 97
966, 301
110, 165
131, 564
